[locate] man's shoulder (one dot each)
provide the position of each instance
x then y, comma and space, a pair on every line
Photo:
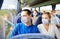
19, 24
33, 25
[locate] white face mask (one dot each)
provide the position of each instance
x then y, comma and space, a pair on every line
24, 19
45, 21
34, 14
54, 14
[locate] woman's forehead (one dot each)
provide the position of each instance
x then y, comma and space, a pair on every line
44, 15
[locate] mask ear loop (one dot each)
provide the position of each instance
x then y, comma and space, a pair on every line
31, 20
49, 21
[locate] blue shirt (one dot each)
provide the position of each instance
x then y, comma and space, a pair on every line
21, 28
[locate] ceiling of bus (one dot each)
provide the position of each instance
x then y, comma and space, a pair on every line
47, 3
38, 3
35, 2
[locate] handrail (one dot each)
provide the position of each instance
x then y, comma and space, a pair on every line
8, 21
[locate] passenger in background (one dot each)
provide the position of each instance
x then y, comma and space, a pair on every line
39, 19
26, 26
54, 19
43, 11
35, 15
2, 29
35, 12
47, 28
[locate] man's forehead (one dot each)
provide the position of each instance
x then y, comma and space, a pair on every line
23, 12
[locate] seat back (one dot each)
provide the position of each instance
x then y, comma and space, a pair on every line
32, 36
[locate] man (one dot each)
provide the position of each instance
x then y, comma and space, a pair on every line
54, 19
26, 26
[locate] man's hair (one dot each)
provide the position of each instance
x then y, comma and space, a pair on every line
53, 10
47, 14
28, 11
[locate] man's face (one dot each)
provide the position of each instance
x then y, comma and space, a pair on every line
24, 14
53, 12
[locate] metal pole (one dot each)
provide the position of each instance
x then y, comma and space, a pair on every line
18, 7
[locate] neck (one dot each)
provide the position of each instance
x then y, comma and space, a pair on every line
28, 23
46, 24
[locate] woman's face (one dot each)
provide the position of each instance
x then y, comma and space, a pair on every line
45, 16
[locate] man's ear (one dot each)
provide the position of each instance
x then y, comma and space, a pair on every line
50, 19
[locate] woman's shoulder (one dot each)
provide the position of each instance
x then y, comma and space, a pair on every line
52, 25
40, 25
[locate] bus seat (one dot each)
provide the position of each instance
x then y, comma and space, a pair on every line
32, 36
38, 20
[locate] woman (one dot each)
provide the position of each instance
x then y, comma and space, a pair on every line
47, 28
35, 12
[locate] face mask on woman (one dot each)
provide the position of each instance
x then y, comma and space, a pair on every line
34, 14
45, 21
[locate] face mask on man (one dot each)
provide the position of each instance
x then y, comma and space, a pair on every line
24, 19
45, 21
54, 14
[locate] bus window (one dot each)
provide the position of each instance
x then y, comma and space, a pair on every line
57, 7
46, 8
37, 8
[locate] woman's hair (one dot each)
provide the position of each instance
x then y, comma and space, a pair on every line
36, 11
47, 14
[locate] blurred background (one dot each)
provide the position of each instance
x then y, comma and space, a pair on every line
10, 11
